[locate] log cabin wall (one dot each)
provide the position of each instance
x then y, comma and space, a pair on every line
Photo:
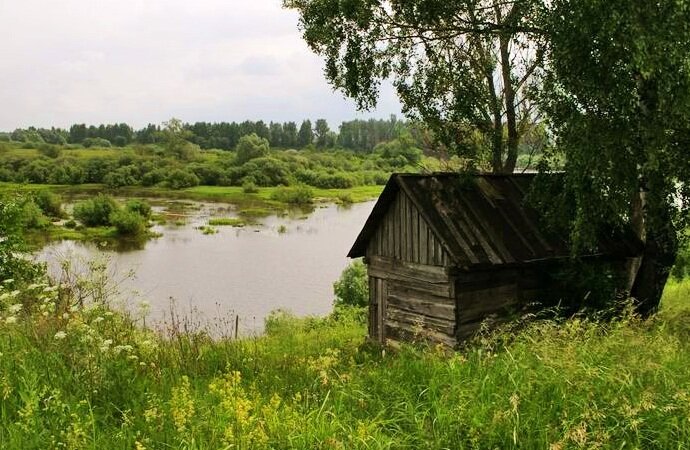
492, 294
411, 293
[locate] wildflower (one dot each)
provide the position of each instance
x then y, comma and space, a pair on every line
60, 335
65, 316
14, 309
11, 319
182, 404
45, 314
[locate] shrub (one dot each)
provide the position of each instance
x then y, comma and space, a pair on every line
140, 207
249, 187
96, 142
71, 224
251, 146
153, 177
49, 202
180, 179
298, 195
123, 176
32, 217
352, 288
267, 172
51, 151
128, 223
96, 211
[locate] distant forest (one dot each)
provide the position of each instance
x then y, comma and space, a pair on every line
355, 135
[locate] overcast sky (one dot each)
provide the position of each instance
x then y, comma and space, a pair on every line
145, 61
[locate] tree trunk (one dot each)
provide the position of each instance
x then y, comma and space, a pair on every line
658, 257
511, 118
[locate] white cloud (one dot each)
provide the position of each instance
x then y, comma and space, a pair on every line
141, 61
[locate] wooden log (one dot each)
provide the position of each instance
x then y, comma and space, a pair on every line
420, 292
427, 308
414, 319
401, 332
434, 273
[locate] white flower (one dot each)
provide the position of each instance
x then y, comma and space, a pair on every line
45, 313
65, 316
11, 319
14, 309
60, 335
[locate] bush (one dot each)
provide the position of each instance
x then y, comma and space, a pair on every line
180, 179
298, 195
352, 288
249, 187
50, 203
96, 211
153, 177
128, 223
51, 151
32, 217
251, 146
123, 176
140, 207
96, 142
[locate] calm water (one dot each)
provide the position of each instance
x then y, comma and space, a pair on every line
286, 262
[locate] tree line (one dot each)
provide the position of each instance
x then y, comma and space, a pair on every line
356, 135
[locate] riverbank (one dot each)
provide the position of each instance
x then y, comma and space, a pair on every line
92, 378
264, 197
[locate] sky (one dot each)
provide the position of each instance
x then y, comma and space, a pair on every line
146, 61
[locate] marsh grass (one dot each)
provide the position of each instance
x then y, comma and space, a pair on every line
76, 376
227, 221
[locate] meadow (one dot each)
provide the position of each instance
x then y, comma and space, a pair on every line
83, 375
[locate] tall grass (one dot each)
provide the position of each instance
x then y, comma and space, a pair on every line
88, 377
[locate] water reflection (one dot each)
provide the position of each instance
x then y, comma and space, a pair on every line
287, 262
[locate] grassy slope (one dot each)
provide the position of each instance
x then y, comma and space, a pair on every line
313, 384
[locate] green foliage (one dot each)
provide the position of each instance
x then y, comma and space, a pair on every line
352, 289
15, 268
175, 140
250, 147
49, 202
249, 187
181, 178
128, 222
32, 217
96, 142
49, 150
96, 211
140, 207
90, 377
297, 195
681, 268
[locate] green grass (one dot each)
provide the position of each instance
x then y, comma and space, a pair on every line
227, 221
94, 379
262, 200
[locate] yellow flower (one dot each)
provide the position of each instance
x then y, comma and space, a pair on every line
182, 405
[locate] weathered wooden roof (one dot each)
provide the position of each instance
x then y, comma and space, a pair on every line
481, 220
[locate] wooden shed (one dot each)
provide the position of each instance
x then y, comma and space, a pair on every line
444, 252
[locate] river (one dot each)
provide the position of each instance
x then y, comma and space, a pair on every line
287, 262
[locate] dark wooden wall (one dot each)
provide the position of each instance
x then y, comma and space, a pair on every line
410, 301
404, 235
492, 294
